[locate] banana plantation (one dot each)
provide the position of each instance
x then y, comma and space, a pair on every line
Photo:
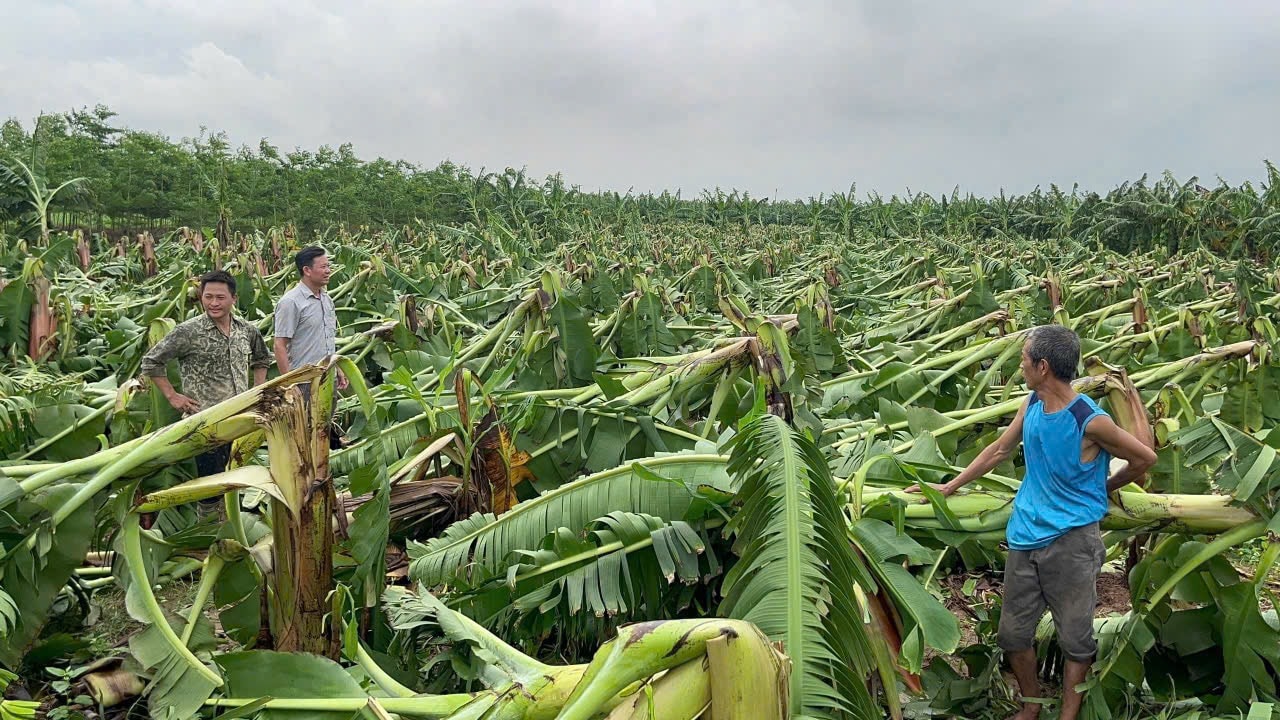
622, 469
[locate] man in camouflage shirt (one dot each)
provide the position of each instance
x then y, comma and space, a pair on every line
215, 352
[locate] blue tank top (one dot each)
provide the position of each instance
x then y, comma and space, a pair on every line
1058, 492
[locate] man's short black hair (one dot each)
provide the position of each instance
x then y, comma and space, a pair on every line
1060, 346
218, 276
306, 256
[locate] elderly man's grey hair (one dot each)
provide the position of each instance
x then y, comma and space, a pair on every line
1060, 346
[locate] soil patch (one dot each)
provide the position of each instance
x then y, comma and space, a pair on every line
1113, 594
965, 591
113, 627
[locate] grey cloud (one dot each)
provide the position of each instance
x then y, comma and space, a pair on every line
790, 97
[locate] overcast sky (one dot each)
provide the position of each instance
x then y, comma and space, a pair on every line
793, 98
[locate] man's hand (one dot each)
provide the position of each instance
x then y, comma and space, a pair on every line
177, 400
182, 403
343, 383
945, 488
1124, 446
987, 460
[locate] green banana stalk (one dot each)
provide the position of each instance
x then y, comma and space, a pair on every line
665, 667
641, 650
749, 677
682, 693
989, 510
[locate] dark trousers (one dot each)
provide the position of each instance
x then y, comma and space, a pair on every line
212, 463
1062, 576
207, 463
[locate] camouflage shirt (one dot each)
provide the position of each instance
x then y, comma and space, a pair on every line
213, 366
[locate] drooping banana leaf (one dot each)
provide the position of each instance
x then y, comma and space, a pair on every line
33, 576
617, 569
926, 621
670, 486
796, 573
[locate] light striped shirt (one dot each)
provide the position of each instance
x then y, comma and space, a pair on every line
310, 322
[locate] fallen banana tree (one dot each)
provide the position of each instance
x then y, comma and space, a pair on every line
291, 577
296, 613
709, 668
622, 380
293, 561
53, 504
661, 495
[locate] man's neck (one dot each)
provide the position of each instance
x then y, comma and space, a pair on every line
223, 324
1056, 394
315, 289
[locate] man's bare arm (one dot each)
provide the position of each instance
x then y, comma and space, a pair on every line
259, 376
1121, 444
987, 460
280, 346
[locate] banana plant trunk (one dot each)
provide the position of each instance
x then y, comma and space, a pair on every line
298, 588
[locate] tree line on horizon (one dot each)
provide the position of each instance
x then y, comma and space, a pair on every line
127, 180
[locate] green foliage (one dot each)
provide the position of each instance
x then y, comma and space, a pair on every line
928, 623
477, 548
575, 586
142, 179
175, 690
796, 572
264, 673
40, 559
1213, 641
619, 351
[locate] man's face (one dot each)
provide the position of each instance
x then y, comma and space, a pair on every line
217, 300
1033, 372
318, 273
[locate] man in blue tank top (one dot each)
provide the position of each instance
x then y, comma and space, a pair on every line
1055, 547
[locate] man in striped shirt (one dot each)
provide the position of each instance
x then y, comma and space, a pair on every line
306, 323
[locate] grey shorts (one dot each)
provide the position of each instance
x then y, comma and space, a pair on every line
1062, 576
